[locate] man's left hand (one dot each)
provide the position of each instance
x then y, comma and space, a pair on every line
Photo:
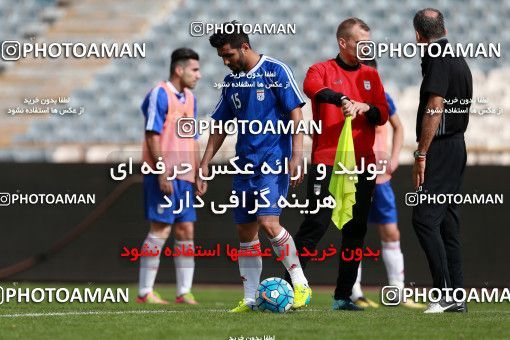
358, 108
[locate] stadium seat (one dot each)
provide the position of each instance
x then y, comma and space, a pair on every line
117, 91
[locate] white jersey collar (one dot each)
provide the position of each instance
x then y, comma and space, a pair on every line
256, 67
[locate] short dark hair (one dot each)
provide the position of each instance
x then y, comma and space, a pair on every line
344, 29
181, 56
429, 23
370, 62
231, 33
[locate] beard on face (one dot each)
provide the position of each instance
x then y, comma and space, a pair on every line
240, 65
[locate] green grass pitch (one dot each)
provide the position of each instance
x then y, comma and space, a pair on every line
210, 320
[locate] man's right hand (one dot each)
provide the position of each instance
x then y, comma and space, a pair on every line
165, 185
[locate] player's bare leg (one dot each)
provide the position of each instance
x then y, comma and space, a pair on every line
285, 248
149, 265
184, 265
394, 259
250, 267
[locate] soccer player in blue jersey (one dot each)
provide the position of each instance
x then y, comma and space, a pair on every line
261, 101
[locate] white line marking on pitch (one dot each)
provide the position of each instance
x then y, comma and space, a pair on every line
88, 313
19, 315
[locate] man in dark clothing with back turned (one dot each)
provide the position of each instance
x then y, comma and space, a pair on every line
440, 159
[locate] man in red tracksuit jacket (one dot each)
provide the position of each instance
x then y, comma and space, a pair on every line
342, 87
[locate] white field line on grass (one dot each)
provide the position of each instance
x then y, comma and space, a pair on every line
86, 313
18, 315
72, 313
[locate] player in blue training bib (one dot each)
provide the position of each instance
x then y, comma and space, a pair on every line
260, 90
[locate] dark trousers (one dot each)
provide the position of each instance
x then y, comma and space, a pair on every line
314, 227
437, 225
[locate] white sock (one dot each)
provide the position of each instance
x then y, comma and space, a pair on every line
149, 265
394, 262
291, 262
250, 268
184, 268
356, 288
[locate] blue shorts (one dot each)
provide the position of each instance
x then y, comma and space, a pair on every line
154, 198
383, 209
278, 186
